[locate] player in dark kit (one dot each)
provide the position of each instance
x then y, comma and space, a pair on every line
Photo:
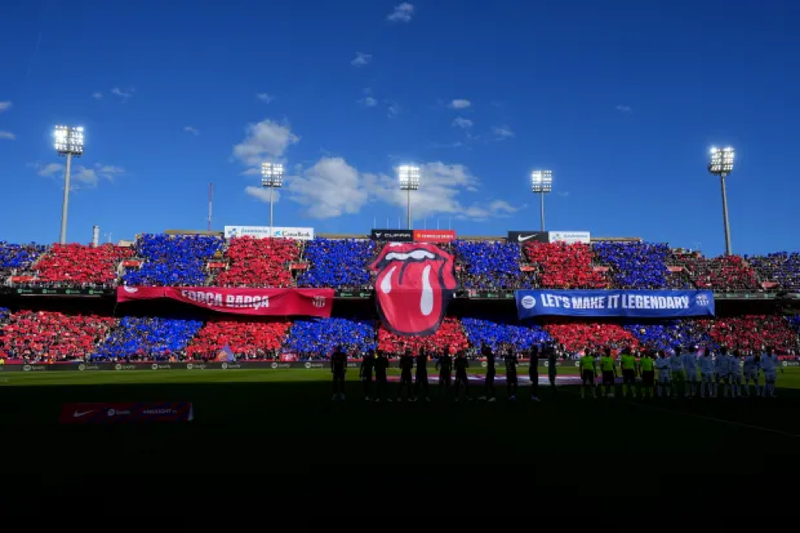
533, 373
490, 374
365, 373
461, 364
444, 365
406, 365
338, 369
511, 374
421, 379
381, 364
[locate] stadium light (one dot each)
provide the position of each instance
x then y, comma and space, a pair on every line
272, 177
541, 184
68, 142
721, 164
409, 176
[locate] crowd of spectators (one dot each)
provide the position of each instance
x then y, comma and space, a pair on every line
146, 339
259, 263
564, 266
781, 268
449, 335
317, 338
338, 264
726, 273
635, 265
78, 265
4, 314
666, 336
51, 336
577, 336
488, 265
753, 332
247, 339
498, 334
18, 258
173, 260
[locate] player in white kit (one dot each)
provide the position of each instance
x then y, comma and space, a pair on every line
770, 365
677, 374
662, 367
706, 375
752, 367
735, 374
721, 370
689, 361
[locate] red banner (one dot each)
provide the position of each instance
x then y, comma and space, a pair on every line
266, 302
434, 235
125, 413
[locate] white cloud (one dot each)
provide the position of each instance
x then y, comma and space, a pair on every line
368, 102
262, 194
251, 172
124, 94
4, 106
361, 59
502, 132
109, 172
623, 108
393, 110
7, 135
81, 177
564, 194
265, 97
266, 138
461, 122
329, 189
460, 104
190, 129
97, 96
401, 13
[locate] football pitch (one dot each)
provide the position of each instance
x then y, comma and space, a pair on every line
284, 422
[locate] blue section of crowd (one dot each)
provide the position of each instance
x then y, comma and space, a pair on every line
684, 333
173, 260
495, 334
147, 338
319, 337
338, 263
635, 265
488, 265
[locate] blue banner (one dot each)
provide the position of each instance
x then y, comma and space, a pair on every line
614, 303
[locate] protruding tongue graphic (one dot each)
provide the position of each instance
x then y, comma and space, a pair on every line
410, 294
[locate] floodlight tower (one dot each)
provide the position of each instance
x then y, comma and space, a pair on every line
409, 176
721, 165
541, 184
68, 142
272, 177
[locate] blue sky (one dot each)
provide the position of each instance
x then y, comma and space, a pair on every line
621, 99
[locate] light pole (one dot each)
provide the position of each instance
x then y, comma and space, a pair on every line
409, 176
272, 177
721, 165
68, 142
541, 184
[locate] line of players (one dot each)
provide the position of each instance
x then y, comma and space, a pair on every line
678, 375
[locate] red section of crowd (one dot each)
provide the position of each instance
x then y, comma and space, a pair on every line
449, 334
564, 266
726, 273
247, 340
577, 336
752, 332
259, 263
51, 336
78, 265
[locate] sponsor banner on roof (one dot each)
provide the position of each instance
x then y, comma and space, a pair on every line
394, 235
125, 413
614, 303
434, 235
414, 287
263, 232
570, 237
521, 237
265, 302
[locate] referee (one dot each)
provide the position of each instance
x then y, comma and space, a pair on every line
588, 371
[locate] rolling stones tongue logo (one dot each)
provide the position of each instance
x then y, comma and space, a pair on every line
414, 286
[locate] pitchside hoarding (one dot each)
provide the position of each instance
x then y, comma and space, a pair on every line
393, 235
263, 232
520, 237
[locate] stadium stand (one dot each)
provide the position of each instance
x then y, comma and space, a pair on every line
259, 263
576, 336
496, 334
488, 265
337, 264
753, 332
4, 314
450, 334
18, 258
782, 268
247, 339
173, 260
725, 273
683, 333
52, 336
634, 265
147, 339
564, 266
318, 338
77, 265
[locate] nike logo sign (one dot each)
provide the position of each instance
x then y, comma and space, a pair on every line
76, 414
520, 238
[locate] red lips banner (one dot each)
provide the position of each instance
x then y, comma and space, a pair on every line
414, 287
266, 302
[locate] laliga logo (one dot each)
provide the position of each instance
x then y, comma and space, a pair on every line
702, 300
318, 302
528, 302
